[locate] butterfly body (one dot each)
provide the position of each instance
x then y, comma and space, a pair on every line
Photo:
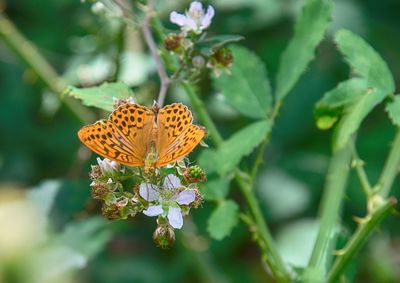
135, 135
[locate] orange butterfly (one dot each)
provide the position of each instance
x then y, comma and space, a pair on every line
135, 135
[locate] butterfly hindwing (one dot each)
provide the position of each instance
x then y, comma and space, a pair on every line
182, 145
177, 136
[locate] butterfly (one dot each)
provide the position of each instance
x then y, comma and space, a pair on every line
138, 136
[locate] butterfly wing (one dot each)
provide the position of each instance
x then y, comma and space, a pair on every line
177, 136
124, 137
104, 138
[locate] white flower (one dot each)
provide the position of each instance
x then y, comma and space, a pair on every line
108, 166
195, 19
168, 199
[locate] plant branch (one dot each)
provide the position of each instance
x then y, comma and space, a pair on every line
358, 164
29, 54
391, 168
148, 36
333, 194
266, 242
364, 231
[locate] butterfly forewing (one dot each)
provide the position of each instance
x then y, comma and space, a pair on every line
136, 122
177, 136
107, 140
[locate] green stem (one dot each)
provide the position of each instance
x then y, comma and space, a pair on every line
259, 158
358, 163
359, 238
391, 168
268, 247
267, 244
333, 194
29, 54
120, 47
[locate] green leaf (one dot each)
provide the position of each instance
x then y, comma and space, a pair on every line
247, 89
365, 61
223, 219
368, 64
215, 188
101, 96
355, 114
331, 105
224, 159
309, 31
393, 110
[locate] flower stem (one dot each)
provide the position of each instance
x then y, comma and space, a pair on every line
29, 54
267, 243
333, 194
148, 36
391, 168
359, 238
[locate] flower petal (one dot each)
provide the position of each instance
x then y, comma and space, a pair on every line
196, 7
175, 218
186, 197
153, 210
172, 182
148, 191
206, 20
178, 19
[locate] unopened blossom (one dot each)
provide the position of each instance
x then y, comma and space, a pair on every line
195, 19
167, 199
108, 166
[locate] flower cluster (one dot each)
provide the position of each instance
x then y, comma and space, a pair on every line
167, 193
192, 46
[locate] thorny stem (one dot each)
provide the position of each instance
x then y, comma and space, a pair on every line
165, 81
29, 54
358, 164
390, 169
359, 238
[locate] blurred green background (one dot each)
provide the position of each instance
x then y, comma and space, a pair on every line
38, 143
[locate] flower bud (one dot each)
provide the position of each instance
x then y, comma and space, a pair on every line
198, 199
222, 57
111, 211
198, 61
95, 173
108, 166
99, 190
164, 236
118, 102
195, 174
173, 42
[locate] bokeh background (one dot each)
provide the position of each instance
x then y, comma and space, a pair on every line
56, 231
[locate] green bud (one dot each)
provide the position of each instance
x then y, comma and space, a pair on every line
195, 174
